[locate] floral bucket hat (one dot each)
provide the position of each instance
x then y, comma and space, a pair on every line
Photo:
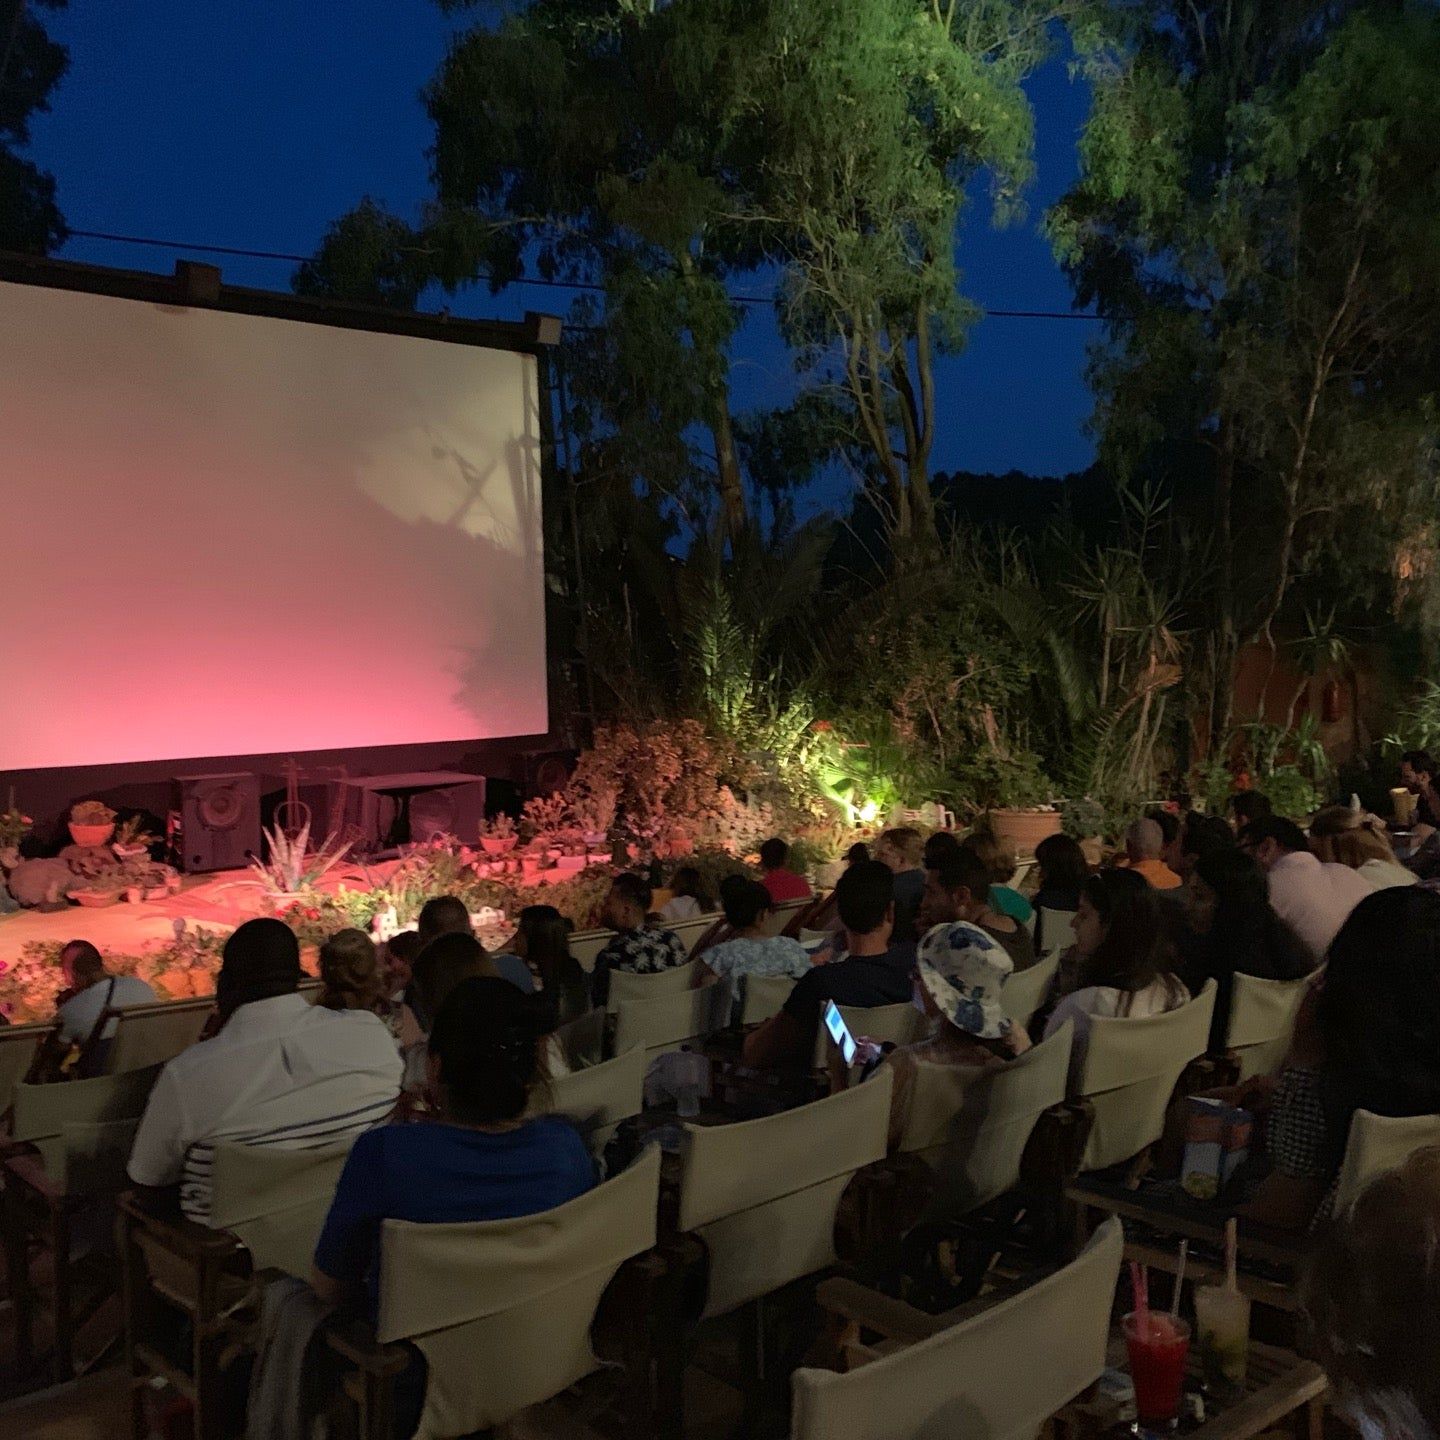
963, 971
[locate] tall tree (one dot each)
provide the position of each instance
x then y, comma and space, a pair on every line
1258, 219
31, 65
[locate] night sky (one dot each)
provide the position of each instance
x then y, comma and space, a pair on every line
255, 125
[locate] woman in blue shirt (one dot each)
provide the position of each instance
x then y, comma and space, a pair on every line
479, 1158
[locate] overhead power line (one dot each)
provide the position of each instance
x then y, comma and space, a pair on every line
241, 252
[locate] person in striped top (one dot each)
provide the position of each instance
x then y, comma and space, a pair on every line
279, 1072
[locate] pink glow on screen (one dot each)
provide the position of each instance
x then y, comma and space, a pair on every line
232, 535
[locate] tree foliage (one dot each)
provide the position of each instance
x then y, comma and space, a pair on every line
31, 66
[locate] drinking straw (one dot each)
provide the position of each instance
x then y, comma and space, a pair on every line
1232, 1244
1179, 1280
1140, 1289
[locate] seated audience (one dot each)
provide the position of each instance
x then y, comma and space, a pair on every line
959, 974
350, 977
279, 1072
688, 898
999, 863
869, 972
750, 950
447, 915
637, 947
1122, 960
1143, 842
857, 852
1171, 827
542, 943
1063, 870
1369, 1040
957, 887
938, 845
1371, 1296
1313, 899
1417, 775
479, 1158
1247, 806
1201, 835
92, 990
399, 962
1233, 931
1342, 836
782, 884
439, 968
902, 851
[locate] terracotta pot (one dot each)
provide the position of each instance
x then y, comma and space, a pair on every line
91, 834
497, 844
1023, 830
94, 899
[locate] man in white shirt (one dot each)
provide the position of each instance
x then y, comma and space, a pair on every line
1313, 899
93, 992
280, 1072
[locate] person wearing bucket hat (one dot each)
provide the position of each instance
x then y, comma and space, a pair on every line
960, 972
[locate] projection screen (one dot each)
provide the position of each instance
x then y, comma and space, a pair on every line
225, 534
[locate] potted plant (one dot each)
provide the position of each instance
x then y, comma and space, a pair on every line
1015, 793
498, 836
132, 840
91, 823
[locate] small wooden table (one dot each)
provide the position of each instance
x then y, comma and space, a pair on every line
1279, 1384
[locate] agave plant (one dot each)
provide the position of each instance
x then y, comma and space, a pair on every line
292, 866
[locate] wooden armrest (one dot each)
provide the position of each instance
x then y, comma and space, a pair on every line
183, 1237
1053, 1152
355, 1341
28, 1170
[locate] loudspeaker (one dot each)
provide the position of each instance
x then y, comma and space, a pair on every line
219, 820
543, 772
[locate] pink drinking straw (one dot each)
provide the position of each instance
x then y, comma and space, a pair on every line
1140, 1290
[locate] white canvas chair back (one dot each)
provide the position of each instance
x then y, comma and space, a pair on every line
673, 1020
576, 1044
626, 986
1024, 993
690, 932
75, 1124
1056, 928
762, 1194
813, 940
1262, 1020
585, 945
502, 1310
999, 1375
972, 1125
1378, 1143
1129, 1074
900, 1024
152, 1034
763, 996
597, 1099
19, 1045
275, 1201
784, 913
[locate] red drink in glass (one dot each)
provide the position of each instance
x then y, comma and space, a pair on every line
1158, 1345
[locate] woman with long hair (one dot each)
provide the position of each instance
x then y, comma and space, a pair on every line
1122, 960
687, 896
1063, 871
1370, 1040
1234, 931
1342, 836
542, 941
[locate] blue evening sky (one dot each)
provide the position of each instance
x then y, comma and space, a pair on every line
255, 125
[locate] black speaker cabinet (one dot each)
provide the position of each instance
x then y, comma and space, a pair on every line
219, 820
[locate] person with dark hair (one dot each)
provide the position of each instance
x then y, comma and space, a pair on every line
782, 884
1312, 898
858, 852
447, 915
903, 850
1202, 835
1417, 775
542, 942
482, 1157
1369, 1039
1122, 958
1247, 806
937, 846
638, 948
957, 887
1371, 1296
401, 952
1063, 870
869, 972
1233, 931
91, 990
751, 948
687, 896
280, 1072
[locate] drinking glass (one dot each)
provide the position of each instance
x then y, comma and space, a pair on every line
1222, 1336
1158, 1345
